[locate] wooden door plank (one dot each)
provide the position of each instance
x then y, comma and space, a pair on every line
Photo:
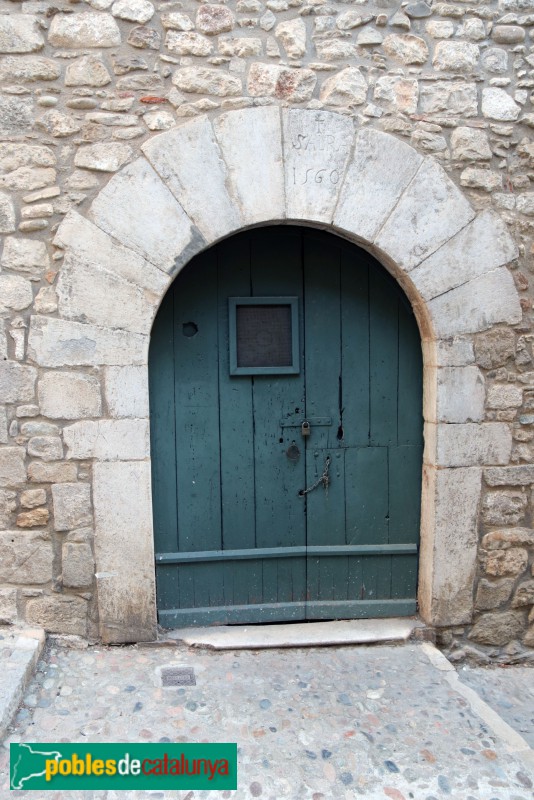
197, 408
366, 491
236, 412
383, 326
276, 270
355, 400
162, 427
322, 327
405, 467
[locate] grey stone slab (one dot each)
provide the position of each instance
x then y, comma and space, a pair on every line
24, 647
380, 169
317, 147
251, 145
316, 634
183, 157
138, 210
431, 211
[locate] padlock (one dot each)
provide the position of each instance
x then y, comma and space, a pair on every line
305, 429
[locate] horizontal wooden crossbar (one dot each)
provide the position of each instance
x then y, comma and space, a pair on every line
287, 552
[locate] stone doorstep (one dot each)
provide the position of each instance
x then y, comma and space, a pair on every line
306, 634
25, 646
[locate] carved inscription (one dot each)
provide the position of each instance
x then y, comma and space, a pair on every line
316, 142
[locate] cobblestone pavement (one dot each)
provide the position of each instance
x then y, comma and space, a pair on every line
509, 691
318, 723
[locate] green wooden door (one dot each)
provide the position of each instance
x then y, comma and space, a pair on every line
237, 537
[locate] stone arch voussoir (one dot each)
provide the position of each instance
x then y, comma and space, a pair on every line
203, 181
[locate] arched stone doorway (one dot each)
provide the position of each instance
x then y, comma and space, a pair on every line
205, 180
286, 434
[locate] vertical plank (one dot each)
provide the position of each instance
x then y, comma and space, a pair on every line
366, 486
236, 412
197, 408
322, 324
162, 427
410, 414
276, 270
405, 467
383, 326
355, 395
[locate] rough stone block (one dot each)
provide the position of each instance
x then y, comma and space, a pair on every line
12, 469
522, 475
7, 214
505, 562
345, 89
90, 245
69, 395
123, 523
103, 157
25, 557
431, 210
504, 508
499, 628
456, 56
251, 145
499, 105
37, 518
524, 595
108, 440
72, 505
203, 80
464, 445
41, 472
57, 614
32, 498
57, 343
182, 158
8, 606
379, 171
492, 594
19, 33
126, 391
17, 382
505, 539
455, 394
451, 97
49, 448
316, 150
94, 295
85, 29
27, 69
481, 247
87, 71
504, 395
494, 348
470, 144
138, 210
15, 293
28, 256
449, 544
77, 565
16, 115
476, 305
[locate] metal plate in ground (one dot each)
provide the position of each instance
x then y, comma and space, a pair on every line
178, 676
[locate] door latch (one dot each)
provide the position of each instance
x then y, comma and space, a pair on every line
305, 428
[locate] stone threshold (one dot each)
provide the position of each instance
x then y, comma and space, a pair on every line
304, 634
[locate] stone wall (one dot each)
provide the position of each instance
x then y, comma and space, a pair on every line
83, 87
